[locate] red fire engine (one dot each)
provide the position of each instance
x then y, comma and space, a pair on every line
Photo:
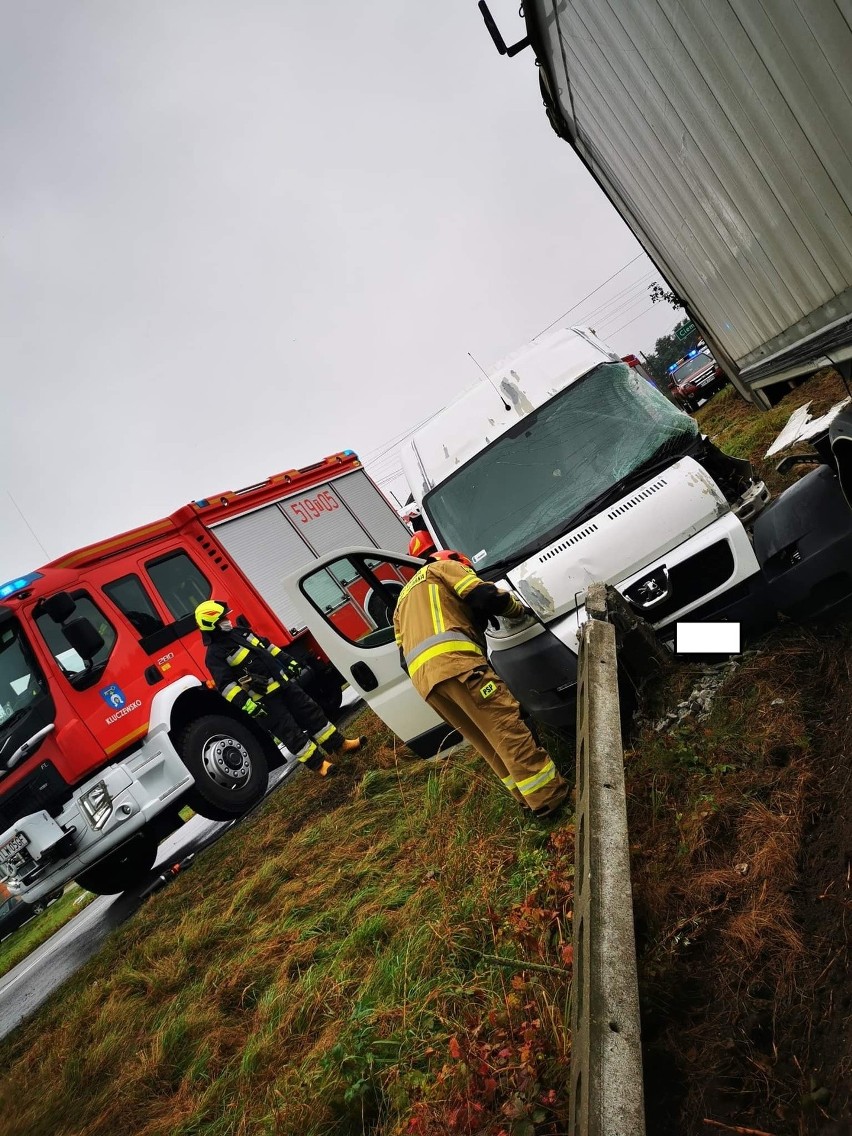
108, 723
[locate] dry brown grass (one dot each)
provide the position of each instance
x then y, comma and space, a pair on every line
720, 813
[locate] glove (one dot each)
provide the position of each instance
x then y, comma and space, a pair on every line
253, 709
293, 668
517, 612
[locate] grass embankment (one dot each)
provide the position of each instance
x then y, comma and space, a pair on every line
39, 929
350, 960
742, 430
740, 833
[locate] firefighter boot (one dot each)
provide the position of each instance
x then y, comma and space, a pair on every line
327, 769
352, 745
552, 810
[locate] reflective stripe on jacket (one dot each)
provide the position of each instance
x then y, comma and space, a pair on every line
239, 651
438, 621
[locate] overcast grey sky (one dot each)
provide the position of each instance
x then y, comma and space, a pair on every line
238, 236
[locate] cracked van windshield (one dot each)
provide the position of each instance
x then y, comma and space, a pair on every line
561, 458
21, 683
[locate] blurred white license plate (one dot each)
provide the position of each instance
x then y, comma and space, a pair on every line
13, 846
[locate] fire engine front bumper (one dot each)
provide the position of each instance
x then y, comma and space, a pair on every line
40, 853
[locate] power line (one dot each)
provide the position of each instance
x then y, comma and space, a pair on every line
629, 322
642, 282
29, 526
390, 478
391, 470
614, 317
617, 312
590, 294
382, 450
387, 461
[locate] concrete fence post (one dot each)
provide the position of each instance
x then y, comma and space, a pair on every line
606, 1063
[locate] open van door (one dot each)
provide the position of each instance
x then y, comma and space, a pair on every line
347, 599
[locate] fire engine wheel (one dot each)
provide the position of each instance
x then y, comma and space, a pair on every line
227, 761
125, 868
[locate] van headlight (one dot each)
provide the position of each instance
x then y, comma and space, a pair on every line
96, 803
508, 627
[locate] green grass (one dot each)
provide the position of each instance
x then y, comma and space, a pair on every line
38, 930
742, 430
320, 970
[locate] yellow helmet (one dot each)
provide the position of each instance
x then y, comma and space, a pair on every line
208, 614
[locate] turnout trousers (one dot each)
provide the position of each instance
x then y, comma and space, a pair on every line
481, 708
296, 720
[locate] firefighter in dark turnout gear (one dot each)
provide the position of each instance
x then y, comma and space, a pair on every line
439, 624
259, 678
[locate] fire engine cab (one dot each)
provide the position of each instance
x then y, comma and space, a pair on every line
109, 724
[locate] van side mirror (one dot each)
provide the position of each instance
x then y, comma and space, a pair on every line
59, 606
82, 635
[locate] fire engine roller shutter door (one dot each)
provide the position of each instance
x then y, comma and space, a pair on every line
383, 526
321, 518
266, 548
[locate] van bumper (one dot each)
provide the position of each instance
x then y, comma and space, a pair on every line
748, 603
542, 674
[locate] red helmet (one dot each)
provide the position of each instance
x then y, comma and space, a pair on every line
451, 554
421, 544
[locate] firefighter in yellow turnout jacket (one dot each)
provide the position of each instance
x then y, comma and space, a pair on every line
439, 624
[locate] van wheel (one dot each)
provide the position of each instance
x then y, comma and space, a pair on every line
326, 689
125, 868
227, 761
330, 698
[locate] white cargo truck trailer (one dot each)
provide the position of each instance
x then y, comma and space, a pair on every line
721, 131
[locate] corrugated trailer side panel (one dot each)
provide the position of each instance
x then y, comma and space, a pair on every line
723, 131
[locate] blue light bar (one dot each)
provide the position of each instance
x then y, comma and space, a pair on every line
673, 367
691, 353
349, 453
12, 586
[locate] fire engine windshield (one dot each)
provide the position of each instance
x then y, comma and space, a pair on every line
22, 685
692, 367
558, 465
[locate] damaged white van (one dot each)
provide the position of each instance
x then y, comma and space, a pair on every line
567, 467
563, 468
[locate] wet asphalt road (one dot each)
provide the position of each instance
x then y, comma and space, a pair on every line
32, 981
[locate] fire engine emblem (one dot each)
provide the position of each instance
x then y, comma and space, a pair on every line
113, 696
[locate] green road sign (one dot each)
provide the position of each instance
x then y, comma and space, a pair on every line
685, 331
